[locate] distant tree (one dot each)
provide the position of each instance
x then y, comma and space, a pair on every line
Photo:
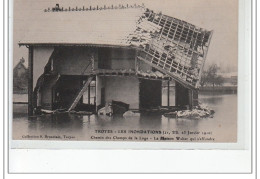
210, 76
204, 79
219, 80
20, 76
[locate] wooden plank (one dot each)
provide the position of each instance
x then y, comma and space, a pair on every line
81, 92
88, 94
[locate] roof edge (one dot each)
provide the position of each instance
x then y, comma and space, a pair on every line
76, 44
57, 8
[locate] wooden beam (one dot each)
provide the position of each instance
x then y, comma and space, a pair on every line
89, 94
81, 92
168, 94
30, 81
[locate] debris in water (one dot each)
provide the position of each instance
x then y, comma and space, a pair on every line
119, 107
81, 112
131, 114
46, 111
114, 107
200, 111
107, 110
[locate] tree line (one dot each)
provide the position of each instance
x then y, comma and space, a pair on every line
211, 77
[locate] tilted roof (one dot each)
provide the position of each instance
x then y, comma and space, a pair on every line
170, 45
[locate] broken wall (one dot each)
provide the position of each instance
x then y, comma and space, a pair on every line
74, 61
122, 59
41, 57
116, 58
46, 93
124, 89
144, 67
67, 89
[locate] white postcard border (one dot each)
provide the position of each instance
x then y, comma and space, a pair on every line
19, 156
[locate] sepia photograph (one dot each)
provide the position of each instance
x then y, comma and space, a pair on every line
132, 71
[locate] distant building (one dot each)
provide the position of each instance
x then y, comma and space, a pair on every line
230, 81
234, 80
20, 77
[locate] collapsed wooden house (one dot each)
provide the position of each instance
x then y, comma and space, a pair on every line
124, 53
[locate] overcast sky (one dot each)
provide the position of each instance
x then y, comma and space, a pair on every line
221, 16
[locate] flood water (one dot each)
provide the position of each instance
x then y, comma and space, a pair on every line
146, 127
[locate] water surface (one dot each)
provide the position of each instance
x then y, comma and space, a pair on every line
148, 127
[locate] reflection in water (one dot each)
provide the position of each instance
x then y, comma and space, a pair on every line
60, 121
185, 124
216, 100
150, 121
223, 125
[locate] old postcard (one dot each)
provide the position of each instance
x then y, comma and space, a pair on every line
155, 71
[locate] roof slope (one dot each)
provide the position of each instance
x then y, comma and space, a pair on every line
170, 45
104, 27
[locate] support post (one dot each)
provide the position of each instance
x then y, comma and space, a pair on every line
81, 92
168, 94
30, 81
89, 94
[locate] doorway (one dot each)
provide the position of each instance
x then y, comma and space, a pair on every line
150, 94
